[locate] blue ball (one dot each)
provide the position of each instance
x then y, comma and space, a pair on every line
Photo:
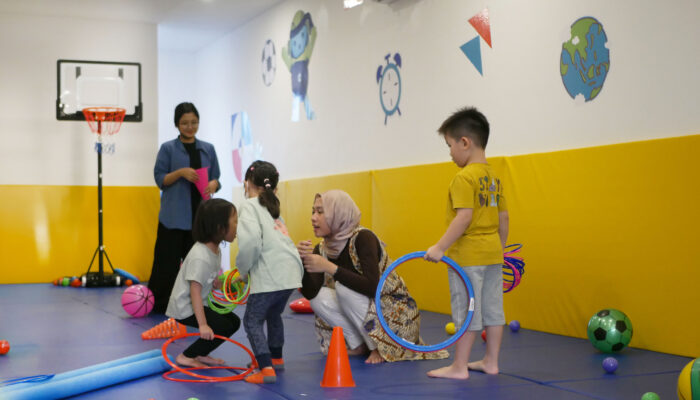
610, 364
514, 325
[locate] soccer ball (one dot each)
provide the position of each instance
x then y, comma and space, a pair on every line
609, 330
268, 63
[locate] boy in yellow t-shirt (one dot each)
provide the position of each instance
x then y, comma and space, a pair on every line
475, 237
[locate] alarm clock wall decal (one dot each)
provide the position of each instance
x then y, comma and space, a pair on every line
389, 80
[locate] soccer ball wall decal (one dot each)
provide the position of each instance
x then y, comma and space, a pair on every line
609, 330
268, 64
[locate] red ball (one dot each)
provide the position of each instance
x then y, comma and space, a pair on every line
128, 282
76, 282
4, 347
483, 334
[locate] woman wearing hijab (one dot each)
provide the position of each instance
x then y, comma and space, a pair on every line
340, 280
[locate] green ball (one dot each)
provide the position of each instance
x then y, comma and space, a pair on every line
609, 330
650, 396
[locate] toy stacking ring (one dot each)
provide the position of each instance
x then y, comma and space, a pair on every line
204, 378
405, 343
513, 267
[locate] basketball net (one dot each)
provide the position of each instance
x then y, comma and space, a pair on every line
104, 122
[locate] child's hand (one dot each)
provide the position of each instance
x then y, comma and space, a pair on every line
305, 247
434, 254
205, 332
217, 284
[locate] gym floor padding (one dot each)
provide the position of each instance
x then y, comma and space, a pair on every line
57, 329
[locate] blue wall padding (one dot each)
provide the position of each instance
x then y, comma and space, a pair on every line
86, 382
81, 371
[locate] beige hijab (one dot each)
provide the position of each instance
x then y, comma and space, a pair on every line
342, 216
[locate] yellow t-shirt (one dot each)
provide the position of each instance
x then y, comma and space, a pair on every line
477, 187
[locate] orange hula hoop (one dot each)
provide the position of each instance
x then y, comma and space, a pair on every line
204, 378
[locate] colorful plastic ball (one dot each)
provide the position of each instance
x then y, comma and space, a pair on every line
65, 281
610, 364
137, 300
4, 347
652, 396
689, 381
450, 328
128, 282
609, 330
514, 325
483, 335
76, 282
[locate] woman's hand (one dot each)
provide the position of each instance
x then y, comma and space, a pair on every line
189, 174
316, 263
205, 332
305, 247
211, 187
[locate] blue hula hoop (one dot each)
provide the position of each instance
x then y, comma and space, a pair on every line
405, 343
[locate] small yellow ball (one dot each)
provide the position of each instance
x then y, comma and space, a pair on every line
450, 328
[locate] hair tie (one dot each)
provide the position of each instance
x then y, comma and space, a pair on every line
267, 186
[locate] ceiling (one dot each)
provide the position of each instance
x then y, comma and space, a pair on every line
184, 25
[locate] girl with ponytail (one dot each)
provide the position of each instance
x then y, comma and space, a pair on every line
270, 259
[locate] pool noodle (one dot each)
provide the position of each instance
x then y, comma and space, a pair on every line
86, 382
82, 371
127, 275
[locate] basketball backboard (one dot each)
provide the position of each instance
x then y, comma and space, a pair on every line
84, 84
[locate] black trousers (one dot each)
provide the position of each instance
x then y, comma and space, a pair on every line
172, 246
222, 324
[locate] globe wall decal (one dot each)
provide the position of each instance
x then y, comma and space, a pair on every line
585, 59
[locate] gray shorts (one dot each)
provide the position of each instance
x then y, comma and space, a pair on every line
487, 281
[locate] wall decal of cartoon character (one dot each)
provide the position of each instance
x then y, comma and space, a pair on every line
302, 38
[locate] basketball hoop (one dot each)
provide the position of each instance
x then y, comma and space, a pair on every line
104, 120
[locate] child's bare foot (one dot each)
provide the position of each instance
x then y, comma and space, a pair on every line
210, 360
188, 362
359, 350
484, 366
374, 358
450, 372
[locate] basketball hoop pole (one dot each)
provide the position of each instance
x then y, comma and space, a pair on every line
95, 117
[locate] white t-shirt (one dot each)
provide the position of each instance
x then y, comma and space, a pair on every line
201, 265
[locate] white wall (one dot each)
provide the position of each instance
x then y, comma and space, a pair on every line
650, 92
176, 84
36, 148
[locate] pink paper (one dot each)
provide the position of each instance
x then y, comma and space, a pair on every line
203, 181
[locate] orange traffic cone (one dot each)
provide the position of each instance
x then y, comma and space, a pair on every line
337, 372
166, 329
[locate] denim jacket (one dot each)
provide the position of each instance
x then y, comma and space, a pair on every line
175, 201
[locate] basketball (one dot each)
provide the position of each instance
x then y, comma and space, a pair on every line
137, 300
